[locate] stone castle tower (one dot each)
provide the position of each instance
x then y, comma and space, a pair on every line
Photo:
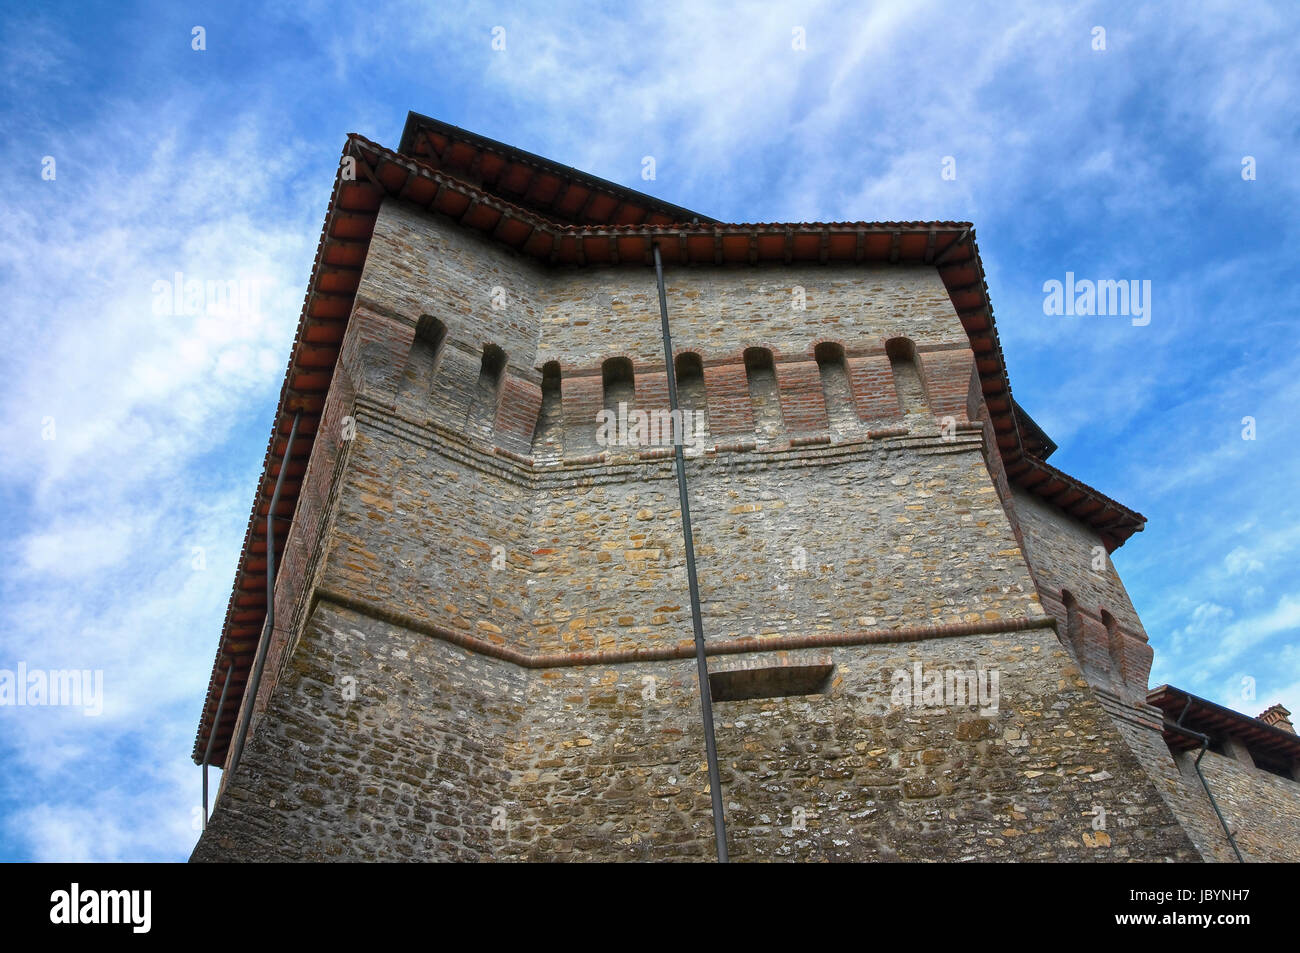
479, 643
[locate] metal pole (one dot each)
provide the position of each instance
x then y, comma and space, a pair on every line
212, 737
250, 691
1205, 743
702, 666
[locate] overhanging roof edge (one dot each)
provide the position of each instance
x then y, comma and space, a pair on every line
414, 121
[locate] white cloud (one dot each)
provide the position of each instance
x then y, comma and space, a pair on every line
149, 458
76, 548
1241, 561
1246, 633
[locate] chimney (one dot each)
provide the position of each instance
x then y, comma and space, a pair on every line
1277, 717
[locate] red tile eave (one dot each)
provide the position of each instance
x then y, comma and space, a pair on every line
963, 275
1212, 719
340, 256
504, 169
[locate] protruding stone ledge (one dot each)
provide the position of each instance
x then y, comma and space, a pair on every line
812, 440
523, 458
888, 432
683, 649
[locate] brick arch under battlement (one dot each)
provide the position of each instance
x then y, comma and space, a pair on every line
1110, 654
750, 393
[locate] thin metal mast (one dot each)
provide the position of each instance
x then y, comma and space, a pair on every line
268, 628
702, 666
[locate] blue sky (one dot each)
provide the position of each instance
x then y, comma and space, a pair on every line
1116, 163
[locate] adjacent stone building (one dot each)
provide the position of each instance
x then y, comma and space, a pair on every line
480, 638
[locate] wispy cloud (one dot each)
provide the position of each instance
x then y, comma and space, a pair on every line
133, 440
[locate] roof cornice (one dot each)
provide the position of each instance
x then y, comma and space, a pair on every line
534, 181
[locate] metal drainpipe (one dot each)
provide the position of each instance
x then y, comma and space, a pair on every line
1205, 744
250, 691
701, 665
212, 737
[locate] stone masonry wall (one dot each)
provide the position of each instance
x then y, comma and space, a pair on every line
431, 528
1262, 809
384, 744
905, 531
591, 558
609, 770
378, 744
